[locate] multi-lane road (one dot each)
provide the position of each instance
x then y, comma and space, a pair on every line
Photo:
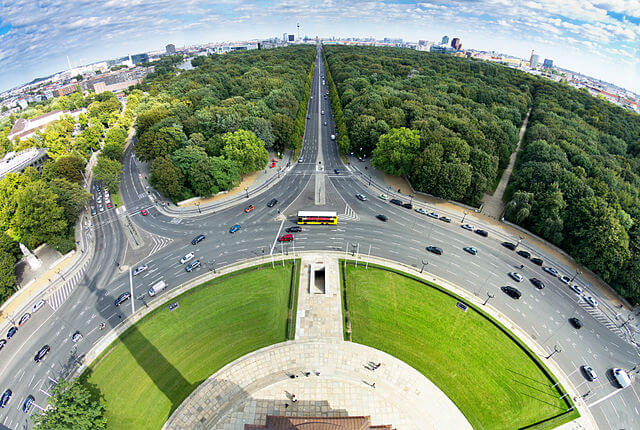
312, 179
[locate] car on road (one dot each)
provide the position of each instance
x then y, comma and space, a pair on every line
187, 257
575, 322
140, 269
565, 279
512, 292
382, 217
336, 171
272, 203
285, 238
272, 165
434, 249
433, 215
590, 301
76, 337
516, 276
523, 253
471, 250
407, 205
144, 212
293, 229
42, 352
24, 319
445, 219
28, 404
621, 377
109, 205
5, 398
300, 160
537, 283
234, 228
589, 373
537, 261
509, 245
11, 332
199, 238
421, 211
3, 342
361, 197
383, 196
550, 270
482, 233
193, 265
249, 208
122, 298
37, 306
576, 289
396, 202
93, 210
467, 227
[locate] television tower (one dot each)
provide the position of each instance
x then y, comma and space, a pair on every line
298, 25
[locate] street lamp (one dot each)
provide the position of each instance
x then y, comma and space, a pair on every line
198, 204
489, 296
578, 272
627, 321
463, 217
424, 263
556, 349
247, 190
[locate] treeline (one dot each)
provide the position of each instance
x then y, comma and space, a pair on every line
449, 124
577, 182
202, 129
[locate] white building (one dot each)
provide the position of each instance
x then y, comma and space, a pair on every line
25, 128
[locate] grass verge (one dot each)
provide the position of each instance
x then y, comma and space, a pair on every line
149, 370
492, 378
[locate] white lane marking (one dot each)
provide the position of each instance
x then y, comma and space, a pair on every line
276, 238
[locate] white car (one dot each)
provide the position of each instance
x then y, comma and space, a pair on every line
383, 196
590, 300
37, 306
565, 279
140, 269
467, 227
421, 211
433, 215
622, 377
361, 197
186, 258
516, 276
576, 289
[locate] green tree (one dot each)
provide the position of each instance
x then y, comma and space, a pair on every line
185, 157
71, 406
396, 151
70, 167
246, 150
167, 178
108, 171
282, 126
113, 150
71, 196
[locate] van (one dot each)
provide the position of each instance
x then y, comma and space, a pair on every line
156, 288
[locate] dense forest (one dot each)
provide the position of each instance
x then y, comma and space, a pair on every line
202, 129
448, 124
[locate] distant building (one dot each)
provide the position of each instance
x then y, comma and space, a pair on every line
534, 61
65, 90
441, 49
171, 49
291, 37
445, 40
140, 58
17, 162
547, 64
25, 128
116, 81
455, 44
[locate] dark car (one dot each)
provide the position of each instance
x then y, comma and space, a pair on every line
482, 233
5, 398
24, 319
272, 203
550, 270
294, 229
523, 253
28, 403
537, 261
435, 250
537, 283
512, 292
3, 342
42, 353
122, 298
194, 264
471, 250
381, 217
196, 240
445, 219
336, 171
12, 331
575, 322
396, 202
407, 205
509, 245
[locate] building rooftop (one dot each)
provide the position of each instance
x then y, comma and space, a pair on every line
317, 423
17, 162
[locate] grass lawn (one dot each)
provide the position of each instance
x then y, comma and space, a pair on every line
117, 200
155, 365
489, 377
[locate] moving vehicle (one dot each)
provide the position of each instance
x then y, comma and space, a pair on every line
325, 123
12, 331
234, 228
467, 227
76, 337
193, 265
5, 398
512, 292
434, 249
249, 208
523, 253
361, 197
42, 353
157, 287
550, 270
589, 373
196, 240
140, 269
382, 217
272, 165
272, 203
565, 279
383, 196
537, 261
516, 276
576, 289
285, 238
433, 215
575, 322
396, 202
317, 217
622, 377
122, 298
471, 250
537, 283
144, 212
482, 233
187, 257
333, 137
24, 319
509, 245
336, 171
293, 229
28, 403
445, 219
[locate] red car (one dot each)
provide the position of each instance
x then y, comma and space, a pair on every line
109, 205
249, 208
285, 238
273, 164
144, 212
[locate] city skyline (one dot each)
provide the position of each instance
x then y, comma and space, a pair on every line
596, 38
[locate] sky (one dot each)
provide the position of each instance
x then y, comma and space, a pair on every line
599, 38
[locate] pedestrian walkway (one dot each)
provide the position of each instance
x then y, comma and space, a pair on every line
57, 296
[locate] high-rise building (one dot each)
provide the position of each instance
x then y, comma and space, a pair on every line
445, 40
291, 37
547, 64
140, 58
534, 61
284, 37
455, 44
171, 49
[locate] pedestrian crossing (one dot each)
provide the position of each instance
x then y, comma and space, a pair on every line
159, 242
348, 215
599, 316
57, 297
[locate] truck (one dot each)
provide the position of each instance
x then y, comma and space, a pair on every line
156, 288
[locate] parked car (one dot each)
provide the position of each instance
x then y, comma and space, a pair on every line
199, 238
272, 203
471, 250
193, 265
383, 196
421, 211
396, 202
144, 212
512, 292
293, 229
509, 245
28, 404
537, 261
407, 205
575, 322
93, 210
187, 257
537, 283
576, 289
361, 197
589, 373
482, 233
5, 398
24, 319
285, 238
445, 219
622, 377
234, 228
550, 270
109, 205
249, 208
516, 276
140, 269
435, 250
11, 332
467, 227
433, 215
37, 306
382, 217
590, 301
122, 298
565, 279
3, 342
41, 353
523, 253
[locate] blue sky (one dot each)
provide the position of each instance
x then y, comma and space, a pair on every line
596, 37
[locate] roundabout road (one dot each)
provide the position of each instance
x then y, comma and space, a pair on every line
543, 314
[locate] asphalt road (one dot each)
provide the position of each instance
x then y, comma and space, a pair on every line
543, 313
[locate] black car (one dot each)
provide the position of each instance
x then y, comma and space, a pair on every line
336, 171
523, 253
196, 240
5, 398
537, 261
396, 202
509, 245
407, 205
294, 229
537, 283
382, 217
11, 332
3, 342
512, 292
272, 203
435, 250
575, 322
42, 353
28, 403
122, 298
482, 233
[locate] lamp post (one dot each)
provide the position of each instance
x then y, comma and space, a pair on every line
198, 204
556, 349
578, 272
247, 190
489, 296
424, 263
627, 321
463, 217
